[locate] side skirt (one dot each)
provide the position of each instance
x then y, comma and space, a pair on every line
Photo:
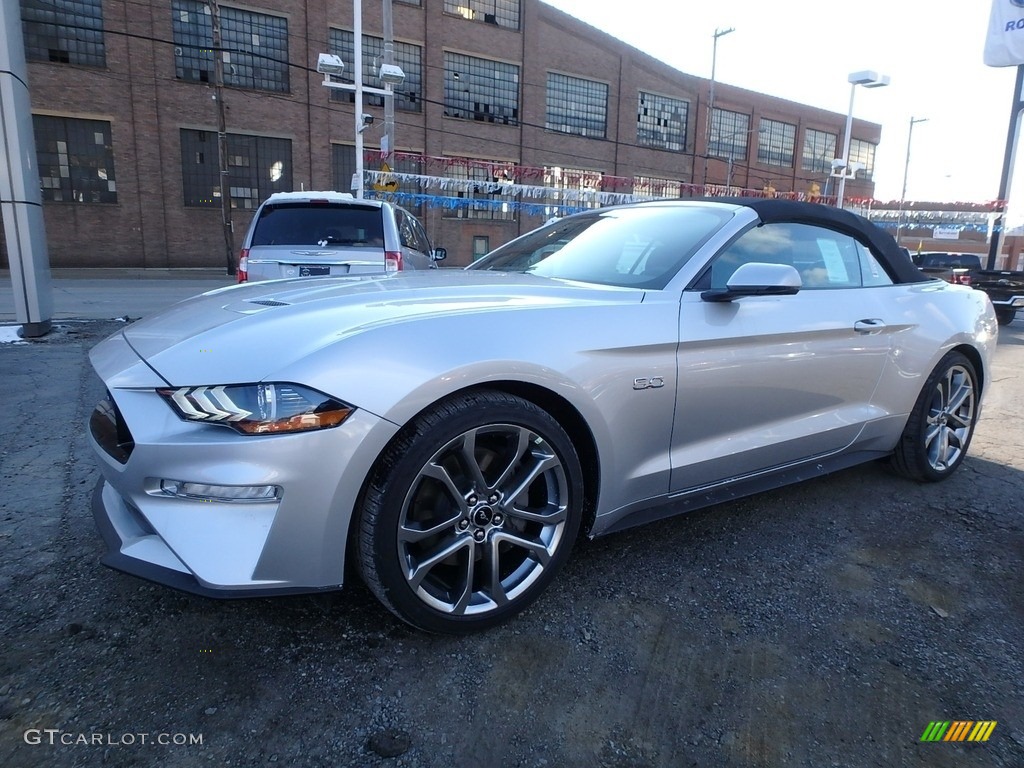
669, 505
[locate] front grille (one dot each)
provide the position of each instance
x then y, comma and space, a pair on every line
110, 430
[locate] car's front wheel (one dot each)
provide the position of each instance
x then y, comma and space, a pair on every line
939, 430
470, 513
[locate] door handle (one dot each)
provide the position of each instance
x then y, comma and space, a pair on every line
871, 326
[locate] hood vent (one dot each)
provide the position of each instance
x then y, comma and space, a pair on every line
269, 303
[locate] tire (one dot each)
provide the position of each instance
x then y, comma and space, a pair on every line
939, 430
1005, 316
470, 513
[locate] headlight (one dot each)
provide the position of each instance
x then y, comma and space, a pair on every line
258, 409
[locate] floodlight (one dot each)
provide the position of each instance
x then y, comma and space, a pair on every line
391, 74
329, 64
868, 78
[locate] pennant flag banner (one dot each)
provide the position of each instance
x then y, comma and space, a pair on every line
461, 183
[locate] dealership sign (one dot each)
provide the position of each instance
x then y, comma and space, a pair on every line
946, 232
1004, 46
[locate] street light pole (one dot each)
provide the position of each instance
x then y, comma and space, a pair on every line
906, 168
869, 79
711, 97
387, 143
330, 66
357, 23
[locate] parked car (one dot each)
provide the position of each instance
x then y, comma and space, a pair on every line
1005, 288
449, 436
308, 234
951, 267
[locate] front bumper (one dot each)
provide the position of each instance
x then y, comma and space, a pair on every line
1011, 302
293, 543
134, 548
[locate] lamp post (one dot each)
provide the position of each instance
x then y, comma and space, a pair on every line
869, 79
711, 95
330, 65
906, 168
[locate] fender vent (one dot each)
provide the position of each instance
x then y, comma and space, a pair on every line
270, 303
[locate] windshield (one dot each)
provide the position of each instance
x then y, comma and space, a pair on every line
638, 247
319, 224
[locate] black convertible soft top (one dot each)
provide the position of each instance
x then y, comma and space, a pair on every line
896, 262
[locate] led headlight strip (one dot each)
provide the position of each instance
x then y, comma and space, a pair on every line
257, 409
211, 404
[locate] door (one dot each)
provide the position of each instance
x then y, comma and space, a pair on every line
766, 381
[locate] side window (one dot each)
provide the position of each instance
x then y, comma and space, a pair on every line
422, 242
405, 230
871, 271
824, 258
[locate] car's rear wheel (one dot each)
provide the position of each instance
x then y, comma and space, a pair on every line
1005, 316
470, 513
939, 430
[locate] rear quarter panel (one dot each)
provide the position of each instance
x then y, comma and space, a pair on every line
927, 321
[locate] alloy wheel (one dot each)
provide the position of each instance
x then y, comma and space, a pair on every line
950, 418
483, 519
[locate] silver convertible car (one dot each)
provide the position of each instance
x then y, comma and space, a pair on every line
448, 436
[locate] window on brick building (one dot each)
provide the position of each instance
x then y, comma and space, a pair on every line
577, 106
863, 152
76, 160
481, 246
646, 186
481, 89
730, 134
500, 13
573, 187
258, 166
408, 96
661, 122
487, 198
819, 151
64, 32
255, 46
776, 142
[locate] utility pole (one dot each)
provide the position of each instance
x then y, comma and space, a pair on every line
906, 168
711, 100
222, 139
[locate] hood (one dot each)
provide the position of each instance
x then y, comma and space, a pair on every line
244, 333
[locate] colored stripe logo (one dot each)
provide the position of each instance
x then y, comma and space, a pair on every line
958, 730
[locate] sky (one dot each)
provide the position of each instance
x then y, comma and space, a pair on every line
804, 50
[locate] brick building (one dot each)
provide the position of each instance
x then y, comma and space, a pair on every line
511, 112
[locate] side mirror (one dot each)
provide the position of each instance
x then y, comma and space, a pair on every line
439, 254
757, 279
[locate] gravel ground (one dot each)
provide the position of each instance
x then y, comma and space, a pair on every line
825, 624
